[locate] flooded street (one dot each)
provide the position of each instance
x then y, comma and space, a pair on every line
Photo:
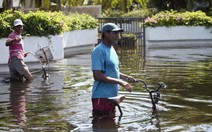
62, 103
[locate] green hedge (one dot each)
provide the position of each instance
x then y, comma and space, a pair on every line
174, 18
41, 23
140, 13
134, 13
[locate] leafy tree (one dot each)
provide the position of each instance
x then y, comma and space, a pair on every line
181, 5
71, 3
121, 5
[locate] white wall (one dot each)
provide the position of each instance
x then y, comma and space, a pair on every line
178, 36
32, 44
80, 38
4, 51
57, 44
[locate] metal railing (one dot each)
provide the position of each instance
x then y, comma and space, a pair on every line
134, 25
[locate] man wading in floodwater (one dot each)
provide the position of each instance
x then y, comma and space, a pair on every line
105, 67
18, 69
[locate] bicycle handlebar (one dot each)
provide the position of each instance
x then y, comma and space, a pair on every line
161, 85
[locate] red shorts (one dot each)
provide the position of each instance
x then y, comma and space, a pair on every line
102, 107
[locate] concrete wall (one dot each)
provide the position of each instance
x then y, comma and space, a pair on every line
73, 42
178, 36
34, 43
79, 41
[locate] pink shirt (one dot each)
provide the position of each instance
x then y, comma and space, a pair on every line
17, 48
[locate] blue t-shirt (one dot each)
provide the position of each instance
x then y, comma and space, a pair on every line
105, 58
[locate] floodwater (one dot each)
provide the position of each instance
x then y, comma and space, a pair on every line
62, 103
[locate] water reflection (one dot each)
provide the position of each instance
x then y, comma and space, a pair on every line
18, 92
104, 124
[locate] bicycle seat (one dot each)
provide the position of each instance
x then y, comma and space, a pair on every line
117, 99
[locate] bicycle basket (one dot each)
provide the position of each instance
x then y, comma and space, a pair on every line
44, 54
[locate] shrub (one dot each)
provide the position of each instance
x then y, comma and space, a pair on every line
41, 23
134, 13
6, 21
128, 39
4, 27
112, 13
81, 21
140, 13
173, 18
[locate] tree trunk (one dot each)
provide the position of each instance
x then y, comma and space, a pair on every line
8, 4
59, 5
